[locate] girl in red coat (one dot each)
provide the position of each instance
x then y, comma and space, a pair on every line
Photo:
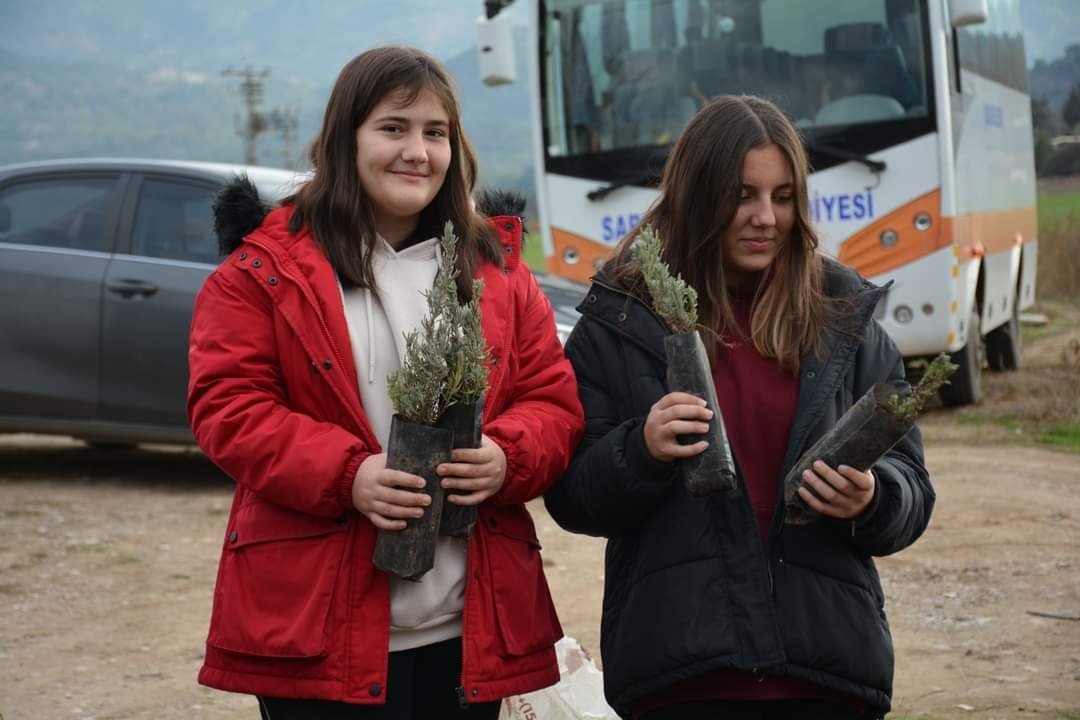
292, 340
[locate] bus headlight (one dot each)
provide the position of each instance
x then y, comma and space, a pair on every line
889, 238
570, 256
903, 315
923, 221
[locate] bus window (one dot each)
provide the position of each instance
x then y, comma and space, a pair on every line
613, 74
631, 73
995, 49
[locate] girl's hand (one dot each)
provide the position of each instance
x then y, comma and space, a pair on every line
844, 494
479, 472
673, 415
375, 494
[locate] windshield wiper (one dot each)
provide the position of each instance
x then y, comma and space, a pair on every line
876, 166
604, 190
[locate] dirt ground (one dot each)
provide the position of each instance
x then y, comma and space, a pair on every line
107, 561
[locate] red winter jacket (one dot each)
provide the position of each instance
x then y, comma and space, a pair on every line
299, 609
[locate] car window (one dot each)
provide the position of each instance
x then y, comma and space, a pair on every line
60, 212
174, 220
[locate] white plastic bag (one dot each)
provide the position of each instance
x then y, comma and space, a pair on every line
579, 694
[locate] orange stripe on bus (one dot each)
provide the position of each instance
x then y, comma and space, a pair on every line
988, 233
588, 253
864, 251
975, 235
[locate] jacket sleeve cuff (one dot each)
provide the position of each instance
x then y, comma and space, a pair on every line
641, 462
516, 471
513, 462
869, 520
345, 482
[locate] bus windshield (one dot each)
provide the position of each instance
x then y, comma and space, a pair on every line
622, 74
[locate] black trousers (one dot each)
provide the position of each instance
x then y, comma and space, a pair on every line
421, 685
757, 710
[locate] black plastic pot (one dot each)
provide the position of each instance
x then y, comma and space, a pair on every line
463, 420
865, 432
416, 449
688, 371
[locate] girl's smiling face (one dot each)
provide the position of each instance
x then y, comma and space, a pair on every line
402, 155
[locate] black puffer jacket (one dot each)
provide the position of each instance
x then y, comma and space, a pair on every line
689, 586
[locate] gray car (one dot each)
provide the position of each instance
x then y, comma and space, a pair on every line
100, 262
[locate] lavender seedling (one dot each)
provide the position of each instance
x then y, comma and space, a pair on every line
935, 374
673, 300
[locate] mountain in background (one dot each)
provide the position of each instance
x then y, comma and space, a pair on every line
311, 41
79, 79
87, 77
1050, 26
1053, 81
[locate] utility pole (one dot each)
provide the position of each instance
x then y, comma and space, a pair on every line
285, 122
251, 87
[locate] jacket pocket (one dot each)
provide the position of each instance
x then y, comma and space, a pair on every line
825, 551
525, 615
277, 578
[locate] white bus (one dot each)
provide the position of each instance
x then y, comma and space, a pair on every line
915, 114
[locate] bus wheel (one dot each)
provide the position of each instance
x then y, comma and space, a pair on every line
965, 386
1004, 346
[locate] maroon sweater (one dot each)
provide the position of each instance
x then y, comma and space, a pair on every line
757, 399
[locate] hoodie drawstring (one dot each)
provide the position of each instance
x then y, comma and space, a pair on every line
370, 337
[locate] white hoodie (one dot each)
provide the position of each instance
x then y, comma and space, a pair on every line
428, 611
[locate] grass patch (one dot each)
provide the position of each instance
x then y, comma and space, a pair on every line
85, 547
1008, 422
1057, 205
1059, 240
1026, 430
1066, 436
17, 512
1059, 261
1016, 425
1068, 714
1033, 332
533, 252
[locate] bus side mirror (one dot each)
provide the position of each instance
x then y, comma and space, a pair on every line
495, 45
968, 12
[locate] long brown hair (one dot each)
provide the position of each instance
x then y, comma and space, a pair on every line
699, 196
333, 205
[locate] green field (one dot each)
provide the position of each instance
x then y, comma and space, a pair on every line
1056, 205
534, 251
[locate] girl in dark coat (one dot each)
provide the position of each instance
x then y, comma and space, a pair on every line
713, 607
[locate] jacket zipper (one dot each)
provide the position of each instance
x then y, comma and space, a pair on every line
463, 699
776, 526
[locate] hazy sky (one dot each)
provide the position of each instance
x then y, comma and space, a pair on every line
1050, 27
330, 30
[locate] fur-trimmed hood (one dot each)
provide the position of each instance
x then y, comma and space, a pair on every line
238, 209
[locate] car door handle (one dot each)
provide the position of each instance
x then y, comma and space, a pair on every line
129, 288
